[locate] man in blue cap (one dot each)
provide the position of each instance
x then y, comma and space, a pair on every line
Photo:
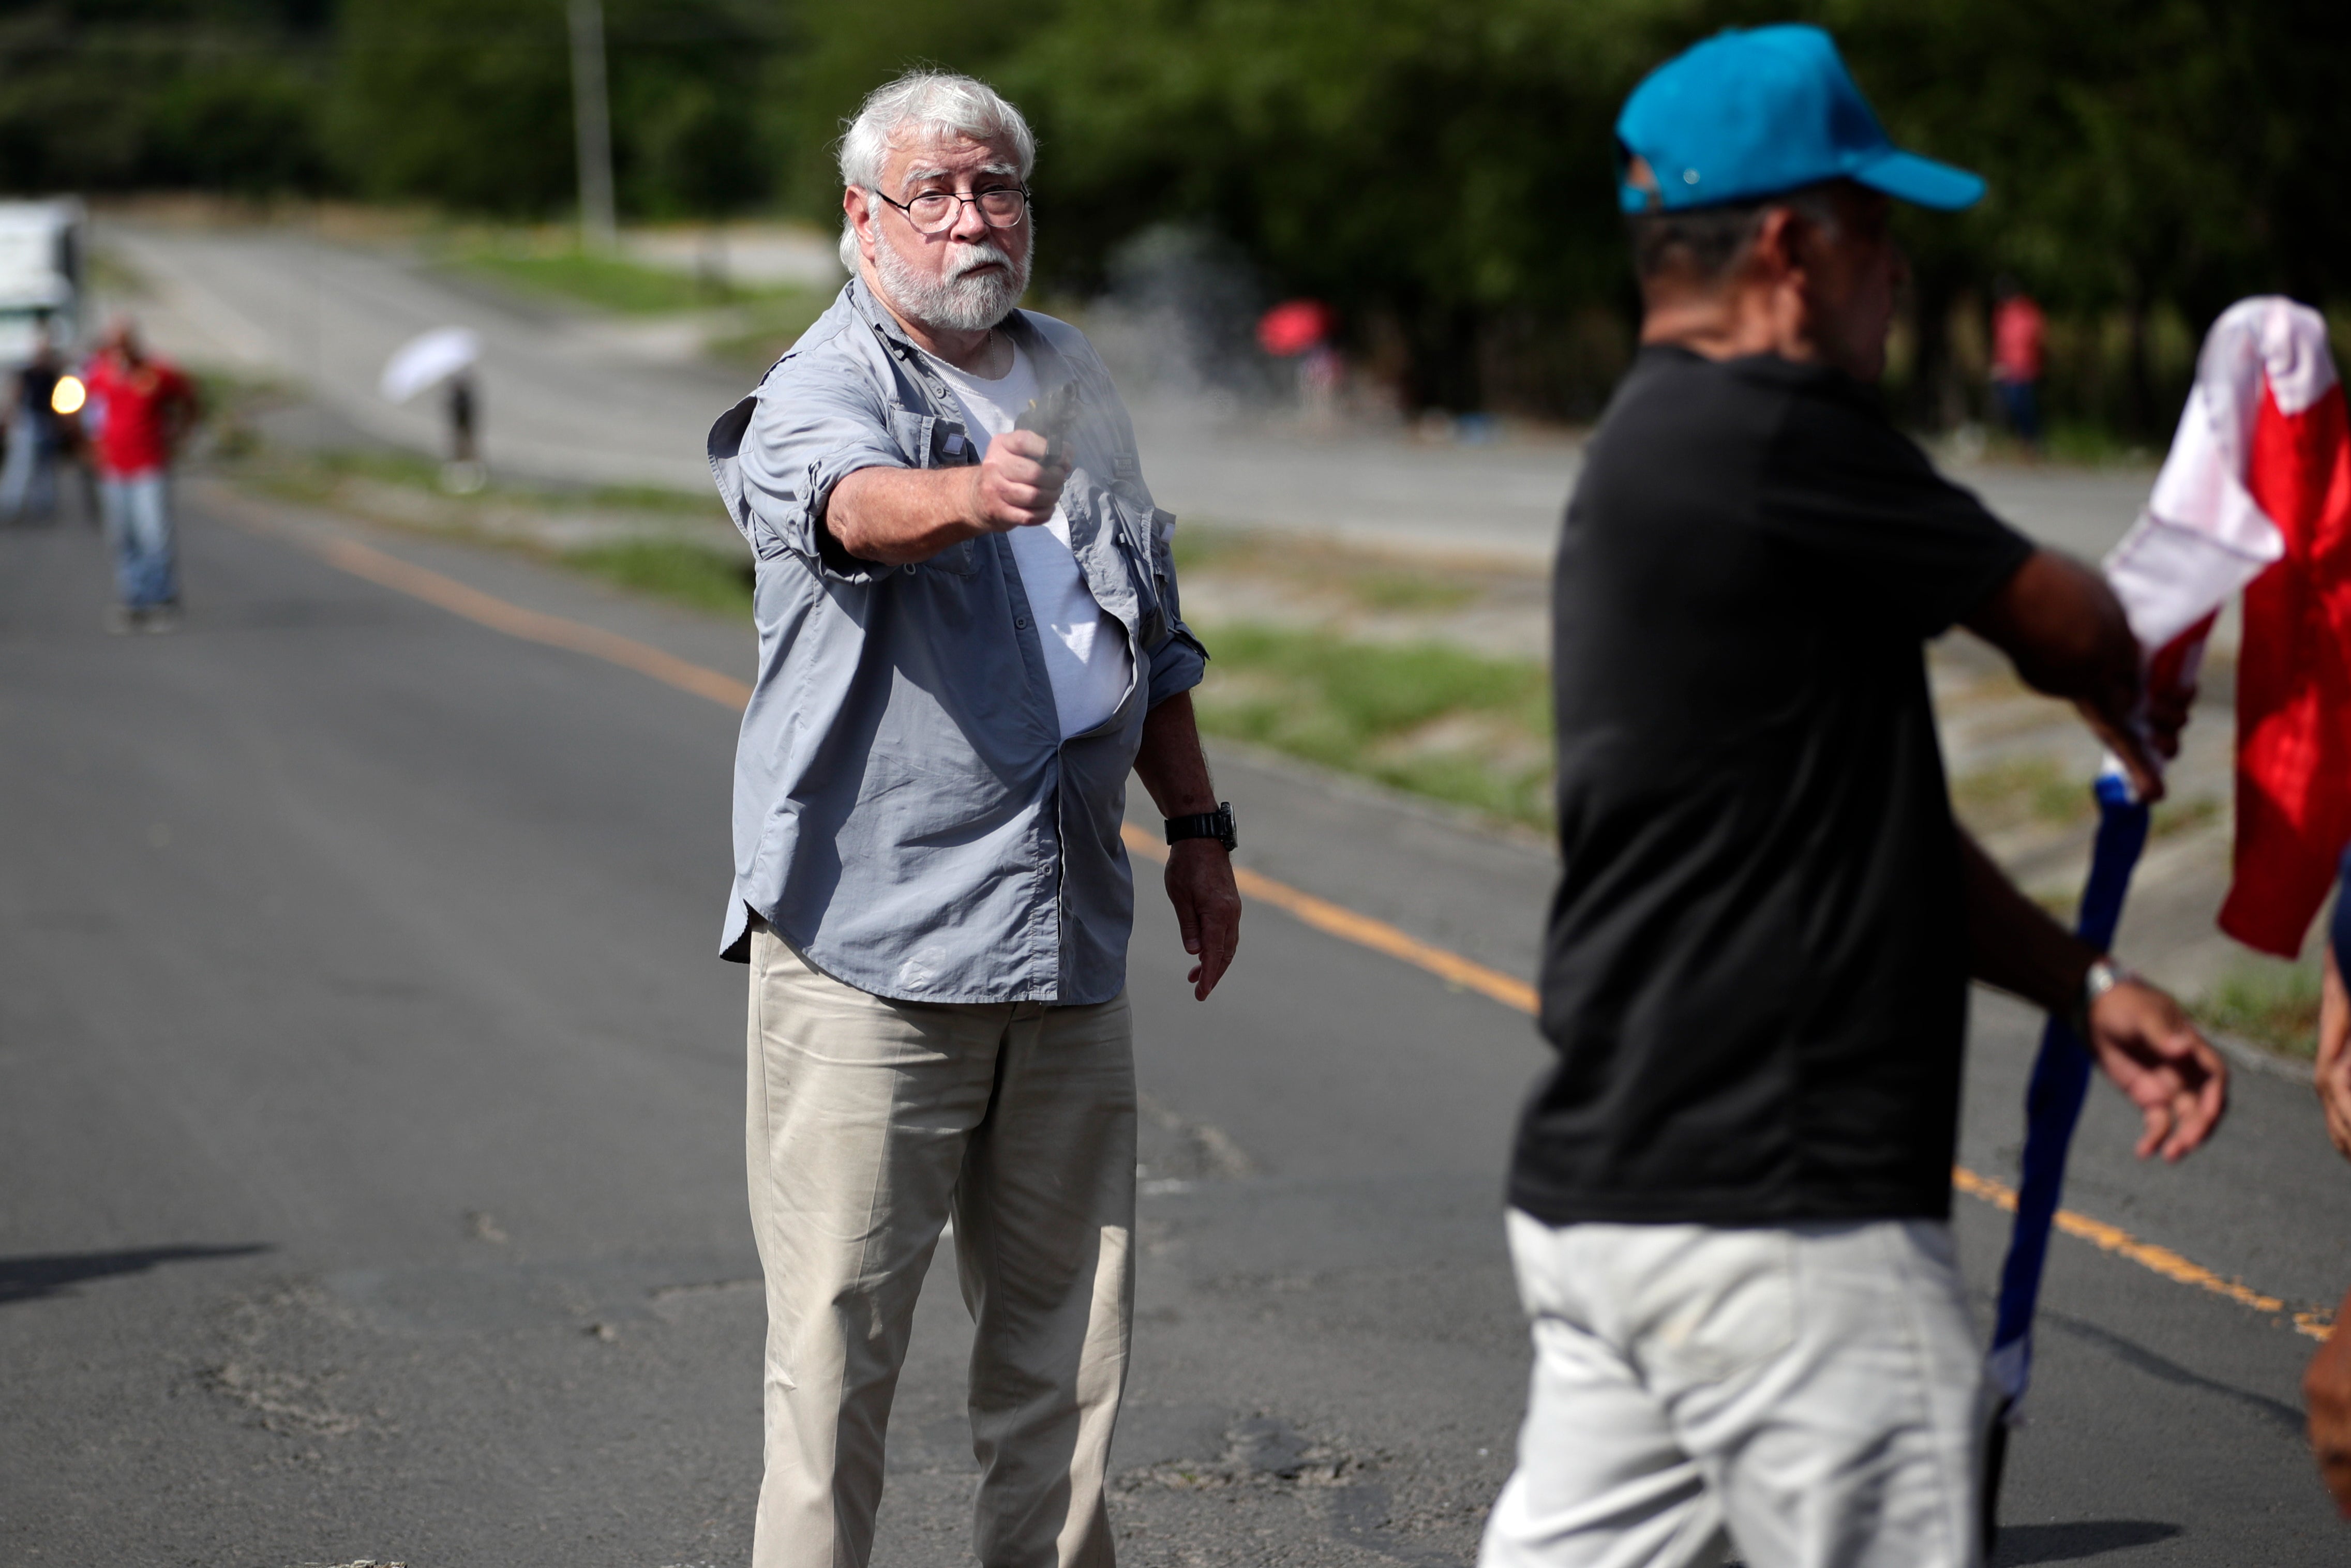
1730, 1202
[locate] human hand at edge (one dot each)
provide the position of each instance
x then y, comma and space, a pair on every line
2326, 1391
2332, 1077
1207, 909
1017, 484
2143, 1041
2131, 748
2167, 711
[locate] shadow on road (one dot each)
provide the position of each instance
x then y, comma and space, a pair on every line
30, 1279
2130, 1352
2022, 1544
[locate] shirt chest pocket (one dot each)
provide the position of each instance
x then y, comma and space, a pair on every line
1162, 549
927, 441
1145, 534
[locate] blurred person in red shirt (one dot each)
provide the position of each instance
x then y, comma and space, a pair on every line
2017, 330
139, 407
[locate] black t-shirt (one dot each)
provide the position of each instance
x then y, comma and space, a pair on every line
1756, 971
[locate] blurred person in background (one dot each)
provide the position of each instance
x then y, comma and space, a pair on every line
463, 402
968, 636
1729, 1202
28, 479
2018, 328
465, 473
139, 409
2327, 1386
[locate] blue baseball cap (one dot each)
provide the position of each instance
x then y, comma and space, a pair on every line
1751, 112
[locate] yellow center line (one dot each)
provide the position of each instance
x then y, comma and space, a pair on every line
1360, 929
1333, 919
1377, 934
529, 625
2163, 1260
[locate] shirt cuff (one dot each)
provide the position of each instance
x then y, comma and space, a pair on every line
1178, 665
801, 528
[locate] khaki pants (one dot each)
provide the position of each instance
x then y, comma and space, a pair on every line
870, 1121
1814, 1392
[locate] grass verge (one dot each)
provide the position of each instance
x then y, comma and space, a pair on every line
675, 570
2018, 790
321, 476
767, 327
606, 282
757, 326
2275, 1006
404, 490
1426, 717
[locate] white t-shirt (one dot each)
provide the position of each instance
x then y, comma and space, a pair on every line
1086, 655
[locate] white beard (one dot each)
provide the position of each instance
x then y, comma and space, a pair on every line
960, 302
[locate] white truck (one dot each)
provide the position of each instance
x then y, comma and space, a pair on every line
40, 278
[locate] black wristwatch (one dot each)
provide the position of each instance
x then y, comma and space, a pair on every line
1217, 825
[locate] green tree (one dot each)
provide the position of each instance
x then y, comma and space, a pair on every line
1437, 169
465, 102
2130, 147
124, 94
469, 103
689, 80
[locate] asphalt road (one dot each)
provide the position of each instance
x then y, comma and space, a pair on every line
559, 398
571, 398
370, 1108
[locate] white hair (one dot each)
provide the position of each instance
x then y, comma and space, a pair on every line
933, 103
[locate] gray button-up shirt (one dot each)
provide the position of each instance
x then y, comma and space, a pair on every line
906, 812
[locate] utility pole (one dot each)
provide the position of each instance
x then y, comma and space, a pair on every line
591, 117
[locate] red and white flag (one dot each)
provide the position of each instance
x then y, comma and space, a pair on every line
2256, 494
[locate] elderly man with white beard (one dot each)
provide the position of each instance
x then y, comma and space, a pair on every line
968, 634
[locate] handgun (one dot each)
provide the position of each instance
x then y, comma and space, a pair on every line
1054, 416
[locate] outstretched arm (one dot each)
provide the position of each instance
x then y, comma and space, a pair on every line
1199, 871
2064, 630
2137, 1035
898, 516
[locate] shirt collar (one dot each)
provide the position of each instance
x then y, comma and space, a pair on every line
1051, 371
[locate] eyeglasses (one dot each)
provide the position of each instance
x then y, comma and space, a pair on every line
935, 212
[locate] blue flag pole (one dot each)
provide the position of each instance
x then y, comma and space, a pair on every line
2052, 1104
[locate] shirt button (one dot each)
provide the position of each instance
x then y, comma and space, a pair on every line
1020, 624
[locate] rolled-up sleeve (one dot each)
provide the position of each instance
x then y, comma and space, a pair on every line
815, 420
1177, 664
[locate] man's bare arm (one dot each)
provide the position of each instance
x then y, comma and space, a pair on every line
2138, 1034
2063, 628
1199, 873
898, 516
2012, 941
2327, 1386
2332, 1077
2326, 1391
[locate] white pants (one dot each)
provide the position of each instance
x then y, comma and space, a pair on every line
869, 1120
1816, 1391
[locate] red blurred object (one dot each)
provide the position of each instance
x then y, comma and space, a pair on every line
2018, 331
1294, 326
2257, 494
2294, 676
